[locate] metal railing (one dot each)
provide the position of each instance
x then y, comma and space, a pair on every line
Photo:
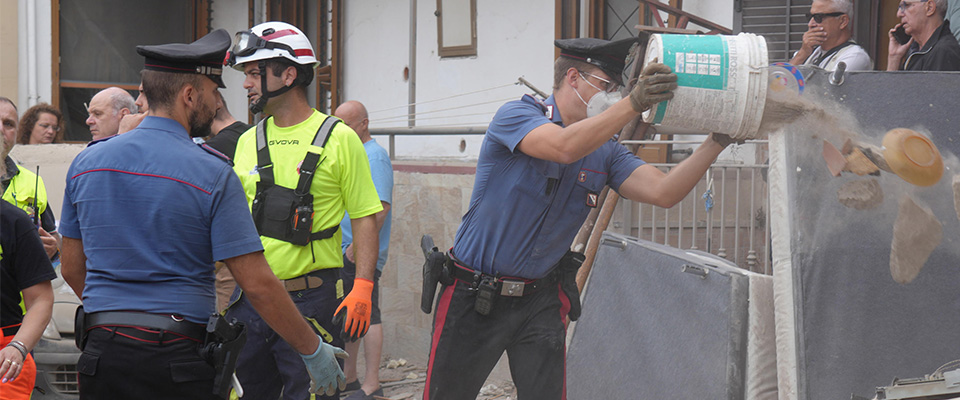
735, 226
725, 214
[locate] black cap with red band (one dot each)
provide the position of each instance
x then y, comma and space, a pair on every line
204, 56
608, 55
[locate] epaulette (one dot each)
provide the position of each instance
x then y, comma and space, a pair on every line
216, 153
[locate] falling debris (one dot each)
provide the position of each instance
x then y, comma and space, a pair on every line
862, 194
915, 234
956, 194
913, 157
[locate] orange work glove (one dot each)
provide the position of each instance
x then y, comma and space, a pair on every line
354, 311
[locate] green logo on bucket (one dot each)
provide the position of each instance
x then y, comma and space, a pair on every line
700, 62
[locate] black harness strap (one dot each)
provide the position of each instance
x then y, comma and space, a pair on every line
307, 168
312, 160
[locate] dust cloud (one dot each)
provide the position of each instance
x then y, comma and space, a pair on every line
810, 119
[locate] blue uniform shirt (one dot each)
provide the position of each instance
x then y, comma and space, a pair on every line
524, 211
382, 172
154, 212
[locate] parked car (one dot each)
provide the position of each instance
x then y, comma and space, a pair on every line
56, 354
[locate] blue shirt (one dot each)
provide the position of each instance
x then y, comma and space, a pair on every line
155, 211
524, 211
382, 172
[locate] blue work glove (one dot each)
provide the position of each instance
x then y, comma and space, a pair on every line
325, 372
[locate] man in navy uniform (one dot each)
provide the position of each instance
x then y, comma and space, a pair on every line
146, 214
541, 167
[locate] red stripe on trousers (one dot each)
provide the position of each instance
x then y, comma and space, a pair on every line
564, 310
443, 306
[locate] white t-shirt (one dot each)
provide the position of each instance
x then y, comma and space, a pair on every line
853, 55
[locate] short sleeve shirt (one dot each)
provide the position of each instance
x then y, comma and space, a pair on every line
155, 211
524, 211
23, 261
382, 172
341, 182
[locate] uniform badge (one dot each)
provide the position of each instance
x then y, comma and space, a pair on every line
592, 199
549, 112
582, 177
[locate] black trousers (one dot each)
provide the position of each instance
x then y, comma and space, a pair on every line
465, 345
135, 363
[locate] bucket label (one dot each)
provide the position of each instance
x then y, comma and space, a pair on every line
700, 61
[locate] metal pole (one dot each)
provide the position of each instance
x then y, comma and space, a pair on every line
722, 251
752, 253
412, 82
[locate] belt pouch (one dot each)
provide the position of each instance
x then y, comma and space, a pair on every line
568, 267
80, 327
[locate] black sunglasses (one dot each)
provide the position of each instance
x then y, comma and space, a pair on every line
820, 16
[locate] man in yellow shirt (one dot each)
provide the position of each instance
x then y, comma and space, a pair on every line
300, 169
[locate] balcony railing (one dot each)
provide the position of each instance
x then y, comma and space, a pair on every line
725, 214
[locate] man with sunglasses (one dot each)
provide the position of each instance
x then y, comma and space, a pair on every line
828, 42
301, 169
932, 46
542, 166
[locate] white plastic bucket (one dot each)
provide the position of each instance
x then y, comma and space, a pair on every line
721, 79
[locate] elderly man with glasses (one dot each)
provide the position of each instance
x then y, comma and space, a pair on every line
931, 47
828, 40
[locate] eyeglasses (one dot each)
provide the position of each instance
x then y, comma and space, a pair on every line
55, 128
611, 86
904, 5
820, 16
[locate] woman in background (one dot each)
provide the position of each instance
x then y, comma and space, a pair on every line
41, 124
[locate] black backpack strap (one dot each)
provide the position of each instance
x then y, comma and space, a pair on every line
264, 165
312, 160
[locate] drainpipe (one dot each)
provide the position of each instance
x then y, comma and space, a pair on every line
412, 81
32, 90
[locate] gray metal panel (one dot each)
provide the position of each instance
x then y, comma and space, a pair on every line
649, 330
857, 327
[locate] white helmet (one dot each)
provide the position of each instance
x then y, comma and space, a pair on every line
272, 40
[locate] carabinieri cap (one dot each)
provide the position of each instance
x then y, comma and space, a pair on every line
204, 56
609, 56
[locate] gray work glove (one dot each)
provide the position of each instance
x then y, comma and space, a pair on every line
325, 372
656, 84
725, 140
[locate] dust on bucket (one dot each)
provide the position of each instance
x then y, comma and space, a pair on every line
721, 79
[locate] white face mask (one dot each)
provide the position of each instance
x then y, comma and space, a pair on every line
600, 101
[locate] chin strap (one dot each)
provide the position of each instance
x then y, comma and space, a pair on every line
257, 106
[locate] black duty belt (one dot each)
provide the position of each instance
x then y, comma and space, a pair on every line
163, 322
506, 286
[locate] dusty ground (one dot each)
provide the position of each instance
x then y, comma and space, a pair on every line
402, 380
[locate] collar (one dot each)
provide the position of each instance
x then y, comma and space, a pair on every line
163, 124
12, 169
553, 112
934, 38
